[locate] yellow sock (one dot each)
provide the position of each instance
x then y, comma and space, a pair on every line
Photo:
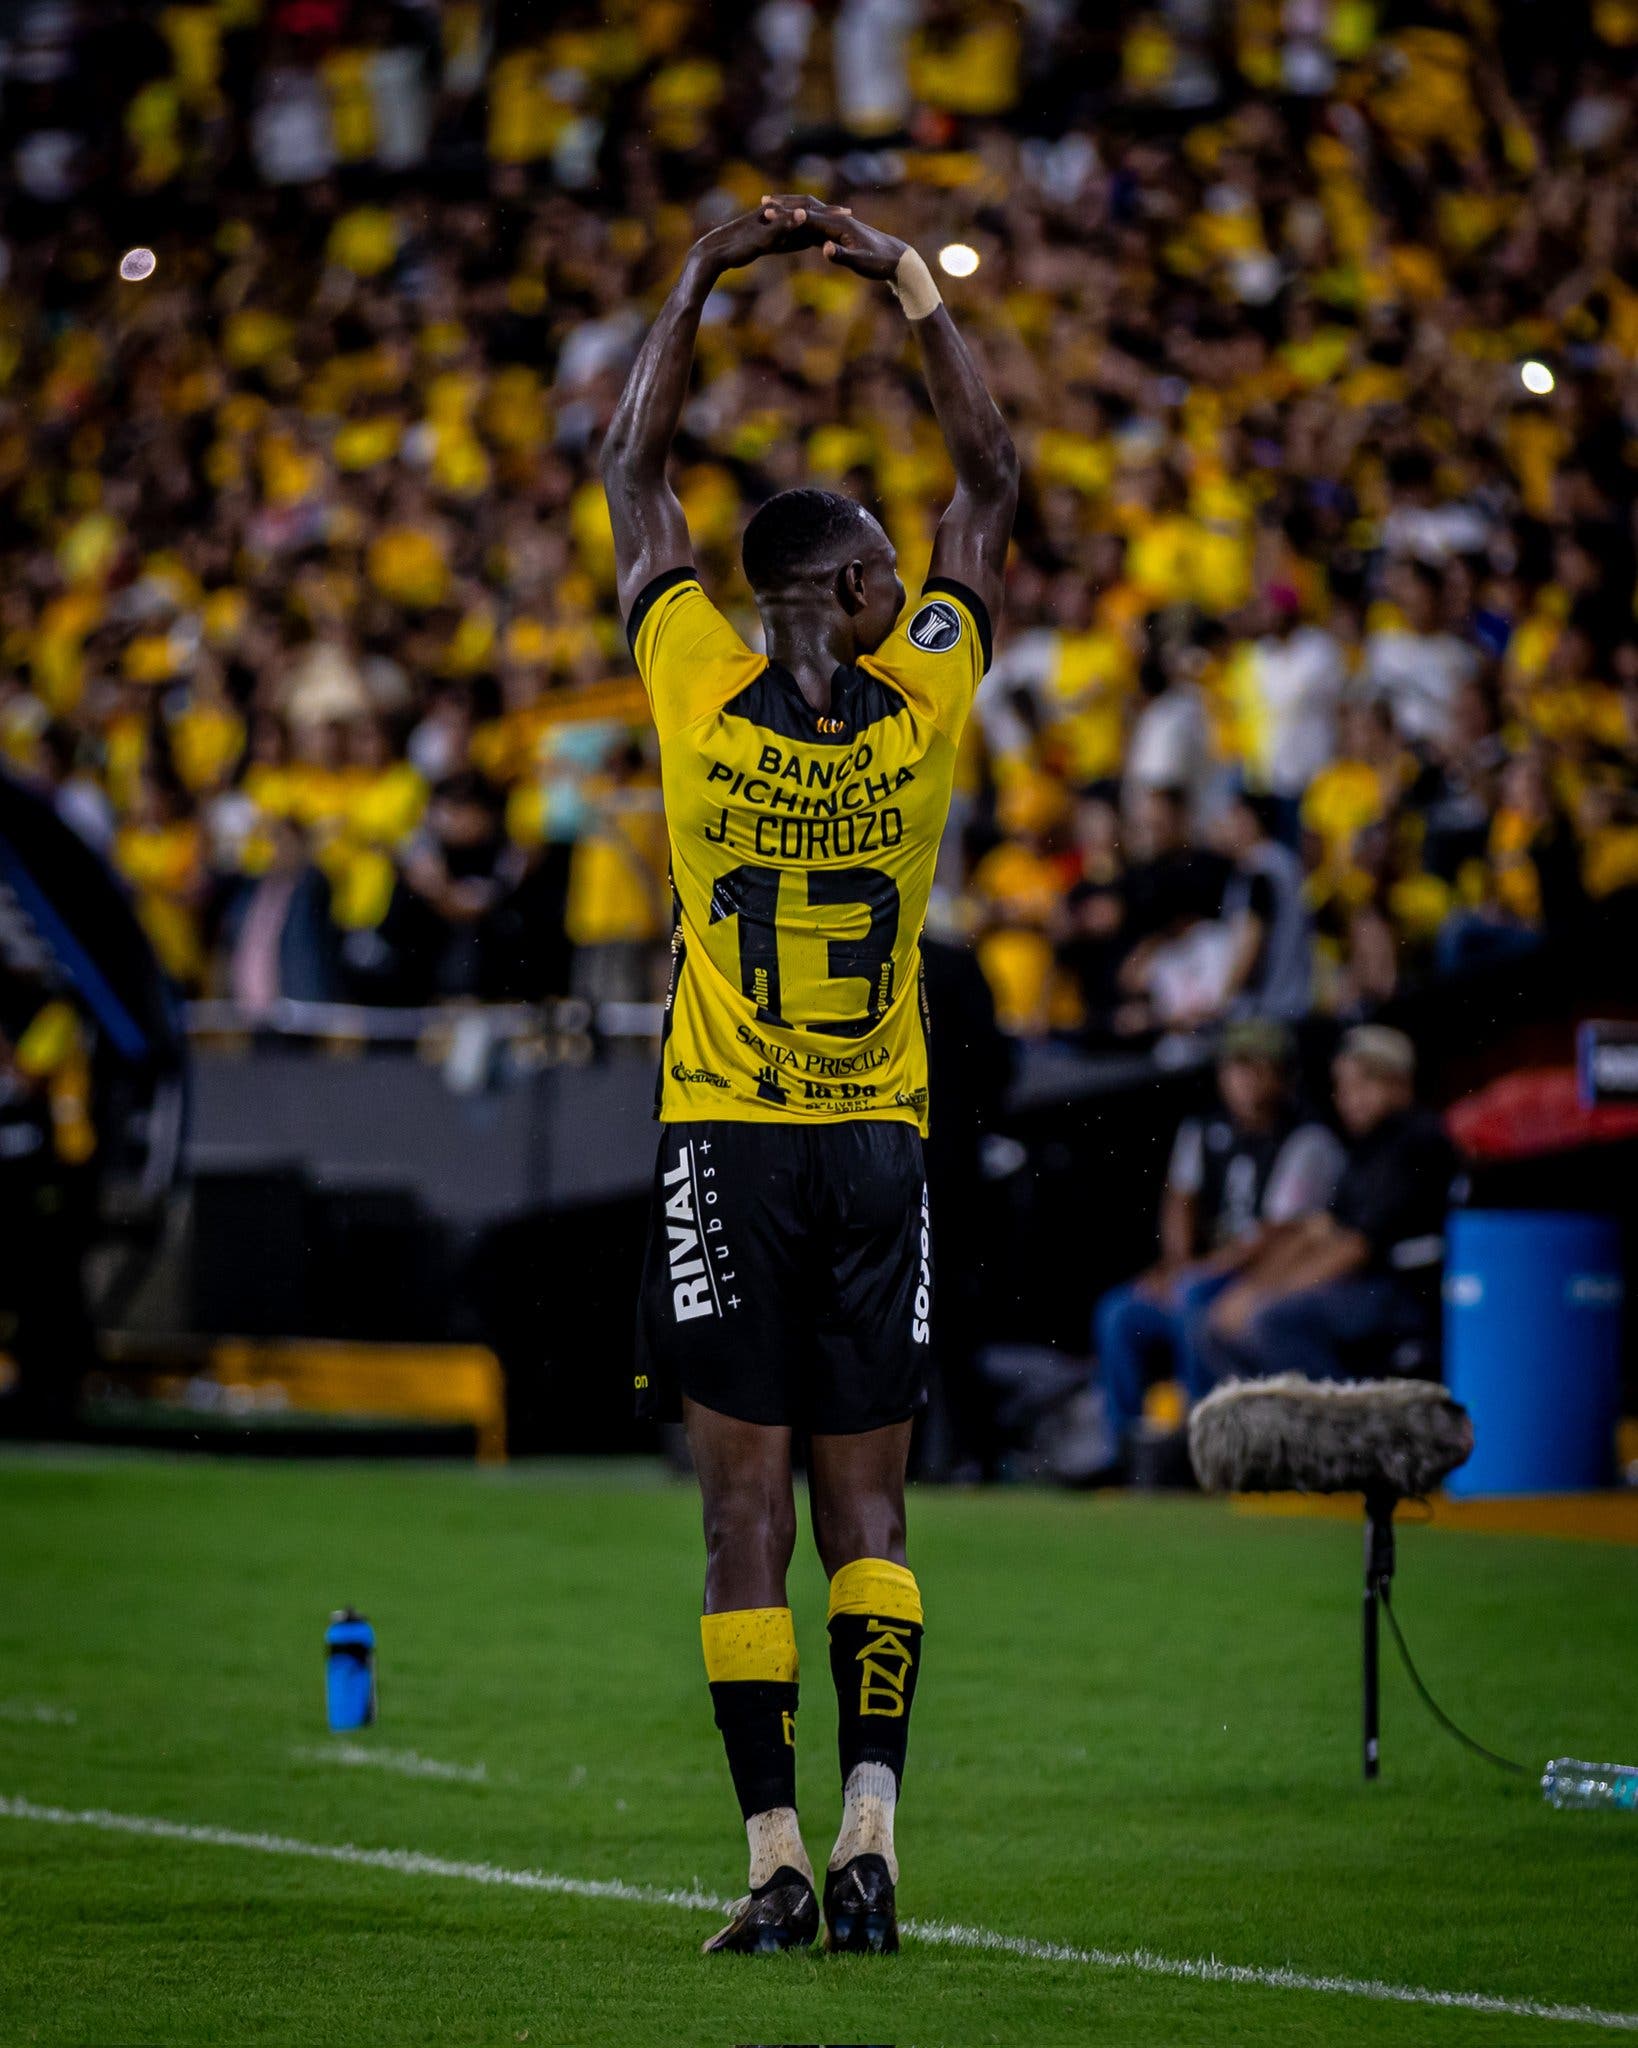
752, 1668
875, 1653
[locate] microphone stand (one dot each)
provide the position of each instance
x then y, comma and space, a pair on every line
1379, 1562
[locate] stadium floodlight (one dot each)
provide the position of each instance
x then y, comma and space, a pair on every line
960, 259
1536, 378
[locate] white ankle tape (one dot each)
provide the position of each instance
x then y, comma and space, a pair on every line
775, 1838
914, 288
868, 1800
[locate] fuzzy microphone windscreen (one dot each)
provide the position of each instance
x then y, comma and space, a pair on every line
1293, 1435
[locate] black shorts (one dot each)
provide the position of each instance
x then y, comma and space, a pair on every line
788, 1279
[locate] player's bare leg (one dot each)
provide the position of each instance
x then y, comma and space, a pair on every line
750, 1661
875, 1653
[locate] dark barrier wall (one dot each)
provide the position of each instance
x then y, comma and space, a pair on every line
357, 1195
383, 1119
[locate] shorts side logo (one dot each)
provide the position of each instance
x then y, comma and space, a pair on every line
936, 627
919, 1323
691, 1291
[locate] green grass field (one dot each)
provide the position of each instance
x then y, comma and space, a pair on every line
1136, 1731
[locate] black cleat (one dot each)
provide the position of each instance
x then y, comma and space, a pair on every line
861, 1918
783, 1913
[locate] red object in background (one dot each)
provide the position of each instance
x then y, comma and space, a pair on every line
311, 17
1536, 1110
932, 128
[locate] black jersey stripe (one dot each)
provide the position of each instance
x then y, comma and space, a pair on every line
774, 701
679, 955
974, 603
650, 594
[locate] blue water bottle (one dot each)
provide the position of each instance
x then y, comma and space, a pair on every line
349, 1670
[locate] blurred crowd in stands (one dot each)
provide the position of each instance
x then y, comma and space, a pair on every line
1316, 322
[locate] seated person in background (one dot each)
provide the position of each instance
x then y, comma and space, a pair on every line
1355, 1289
1239, 1183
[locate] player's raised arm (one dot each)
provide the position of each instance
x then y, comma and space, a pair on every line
650, 532
971, 543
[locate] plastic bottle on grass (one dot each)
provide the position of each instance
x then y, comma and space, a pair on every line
1569, 1782
349, 1670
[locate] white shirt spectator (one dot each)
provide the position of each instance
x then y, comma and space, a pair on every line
49, 164
784, 28
1307, 64
1421, 675
596, 346
872, 73
290, 134
1188, 976
402, 107
86, 811
1433, 533
1019, 672
1170, 746
1298, 680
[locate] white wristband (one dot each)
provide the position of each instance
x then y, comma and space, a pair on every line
912, 285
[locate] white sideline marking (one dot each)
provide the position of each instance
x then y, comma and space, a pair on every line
38, 1712
407, 1862
406, 1763
937, 1933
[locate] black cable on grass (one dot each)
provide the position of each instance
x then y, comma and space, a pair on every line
1502, 1763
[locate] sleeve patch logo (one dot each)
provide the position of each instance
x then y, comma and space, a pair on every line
936, 627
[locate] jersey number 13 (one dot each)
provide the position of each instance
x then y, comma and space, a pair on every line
751, 894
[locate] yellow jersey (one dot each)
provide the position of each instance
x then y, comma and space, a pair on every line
802, 852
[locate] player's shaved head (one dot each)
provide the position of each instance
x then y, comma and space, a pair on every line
805, 536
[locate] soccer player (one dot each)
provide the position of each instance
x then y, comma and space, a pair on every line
788, 1283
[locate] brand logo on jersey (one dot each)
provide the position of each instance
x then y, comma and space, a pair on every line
936, 627
691, 1293
681, 1073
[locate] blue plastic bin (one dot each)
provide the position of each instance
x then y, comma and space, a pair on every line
1533, 1347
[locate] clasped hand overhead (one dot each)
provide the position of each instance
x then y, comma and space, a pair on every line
785, 224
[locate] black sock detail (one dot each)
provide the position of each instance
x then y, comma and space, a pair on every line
873, 1662
758, 1722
